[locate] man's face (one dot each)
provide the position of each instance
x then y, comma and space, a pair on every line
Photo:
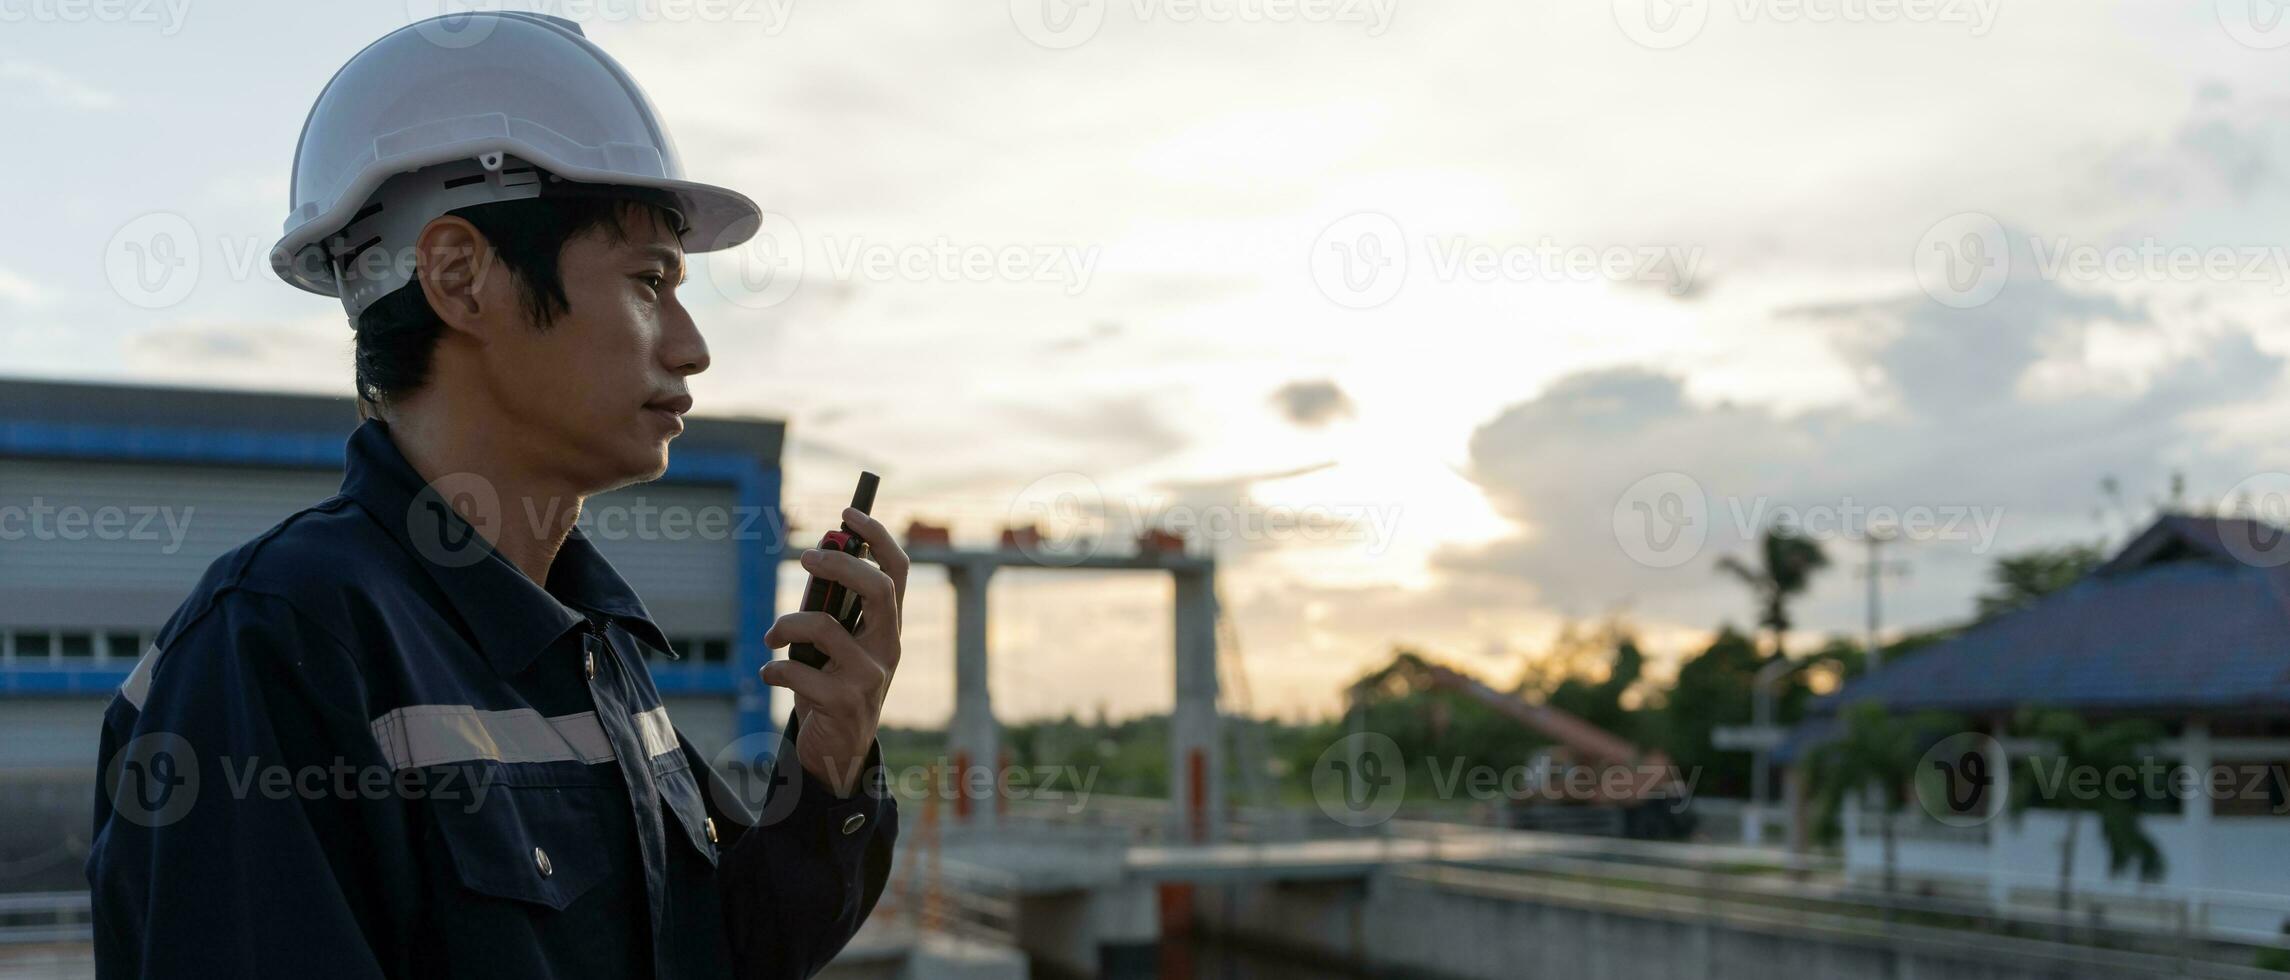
599, 393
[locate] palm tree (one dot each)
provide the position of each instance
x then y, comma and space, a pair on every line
1874, 759
2075, 745
1787, 562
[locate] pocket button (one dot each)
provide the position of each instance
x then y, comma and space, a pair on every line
541, 861
852, 824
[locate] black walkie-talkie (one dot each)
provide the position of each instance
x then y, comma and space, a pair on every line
831, 597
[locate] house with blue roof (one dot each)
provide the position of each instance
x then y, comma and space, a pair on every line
2187, 626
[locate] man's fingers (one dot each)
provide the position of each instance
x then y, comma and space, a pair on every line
886, 549
859, 575
822, 631
808, 683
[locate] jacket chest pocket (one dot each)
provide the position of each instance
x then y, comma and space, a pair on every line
686, 812
544, 845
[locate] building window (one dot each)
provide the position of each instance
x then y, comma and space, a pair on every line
697, 651
76, 646
120, 645
2252, 789
32, 647
72, 649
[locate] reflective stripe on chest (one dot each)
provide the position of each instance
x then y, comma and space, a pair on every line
440, 734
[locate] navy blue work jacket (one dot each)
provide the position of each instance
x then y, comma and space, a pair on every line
367, 746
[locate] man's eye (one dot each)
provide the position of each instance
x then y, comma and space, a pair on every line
654, 280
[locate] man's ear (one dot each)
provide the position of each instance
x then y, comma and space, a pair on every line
456, 267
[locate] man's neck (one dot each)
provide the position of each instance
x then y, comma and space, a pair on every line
533, 511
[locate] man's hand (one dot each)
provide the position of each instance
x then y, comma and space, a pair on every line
840, 706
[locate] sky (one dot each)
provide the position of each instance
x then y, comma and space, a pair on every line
1439, 324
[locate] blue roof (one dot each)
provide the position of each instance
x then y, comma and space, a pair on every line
2192, 614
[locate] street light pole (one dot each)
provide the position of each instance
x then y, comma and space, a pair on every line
1875, 570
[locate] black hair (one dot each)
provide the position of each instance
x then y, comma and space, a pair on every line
397, 335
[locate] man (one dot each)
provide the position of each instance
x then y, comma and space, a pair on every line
409, 732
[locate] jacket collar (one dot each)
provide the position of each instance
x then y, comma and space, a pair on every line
512, 619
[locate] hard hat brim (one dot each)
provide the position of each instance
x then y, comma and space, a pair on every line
716, 217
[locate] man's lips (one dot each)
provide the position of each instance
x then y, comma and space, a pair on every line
673, 406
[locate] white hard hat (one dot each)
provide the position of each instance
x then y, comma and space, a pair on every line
457, 111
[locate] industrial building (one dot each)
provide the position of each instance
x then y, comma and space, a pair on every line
114, 498
2188, 627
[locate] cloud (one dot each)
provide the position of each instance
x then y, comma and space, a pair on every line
1312, 403
19, 291
314, 357
55, 86
1949, 425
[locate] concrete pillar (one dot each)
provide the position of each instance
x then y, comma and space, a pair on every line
2000, 851
2196, 808
974, 739
1196, 761
1793, 792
